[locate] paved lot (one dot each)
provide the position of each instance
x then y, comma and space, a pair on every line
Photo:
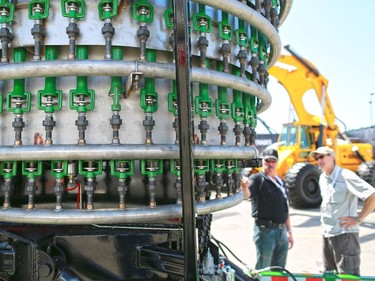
234, 228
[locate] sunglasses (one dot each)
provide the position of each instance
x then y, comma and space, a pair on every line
320, 157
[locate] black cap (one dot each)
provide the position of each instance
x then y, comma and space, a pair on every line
270, 153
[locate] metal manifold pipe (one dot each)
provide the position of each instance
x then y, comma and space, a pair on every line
121, 151
113, 216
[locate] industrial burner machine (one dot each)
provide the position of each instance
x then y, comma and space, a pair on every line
124, 127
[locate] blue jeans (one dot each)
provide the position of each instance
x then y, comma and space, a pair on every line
271, 246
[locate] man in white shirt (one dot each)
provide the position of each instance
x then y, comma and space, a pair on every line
340, 190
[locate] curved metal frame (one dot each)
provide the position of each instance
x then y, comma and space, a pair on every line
251, 16
285, 9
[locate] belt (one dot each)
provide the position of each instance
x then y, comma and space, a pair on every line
269, 224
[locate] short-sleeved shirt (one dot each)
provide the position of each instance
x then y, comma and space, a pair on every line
268, 198
340, 192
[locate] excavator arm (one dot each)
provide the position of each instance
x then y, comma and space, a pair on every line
298, 75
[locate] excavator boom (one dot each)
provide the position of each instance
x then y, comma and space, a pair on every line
298, 75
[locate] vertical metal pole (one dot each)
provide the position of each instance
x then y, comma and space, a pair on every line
370, 102
321, 126
182, 53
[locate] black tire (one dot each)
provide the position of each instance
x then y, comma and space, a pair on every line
302, 182
367, 172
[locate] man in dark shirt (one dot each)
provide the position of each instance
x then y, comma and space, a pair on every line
272, 229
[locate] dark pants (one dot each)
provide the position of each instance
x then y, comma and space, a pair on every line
342, 253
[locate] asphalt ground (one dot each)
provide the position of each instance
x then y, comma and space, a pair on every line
234, 228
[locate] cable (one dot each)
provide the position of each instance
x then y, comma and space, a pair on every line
269, 129
77, 185
270, 268
252, 272
342, 122
220, 244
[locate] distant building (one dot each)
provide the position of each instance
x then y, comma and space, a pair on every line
363, 135
264, 140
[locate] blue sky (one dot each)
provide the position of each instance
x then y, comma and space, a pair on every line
337, 36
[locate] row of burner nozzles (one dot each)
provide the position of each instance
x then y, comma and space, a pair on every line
247, 131
143, 13
82, 99
217, 175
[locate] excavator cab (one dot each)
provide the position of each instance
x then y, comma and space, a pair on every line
296, 167
292, 134
294, 145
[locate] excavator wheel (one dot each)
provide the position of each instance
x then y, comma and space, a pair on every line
302, 182
367, 172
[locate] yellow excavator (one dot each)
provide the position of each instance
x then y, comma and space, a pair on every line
297, 139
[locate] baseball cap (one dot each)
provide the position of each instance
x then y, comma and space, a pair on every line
270, 153
325, 150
